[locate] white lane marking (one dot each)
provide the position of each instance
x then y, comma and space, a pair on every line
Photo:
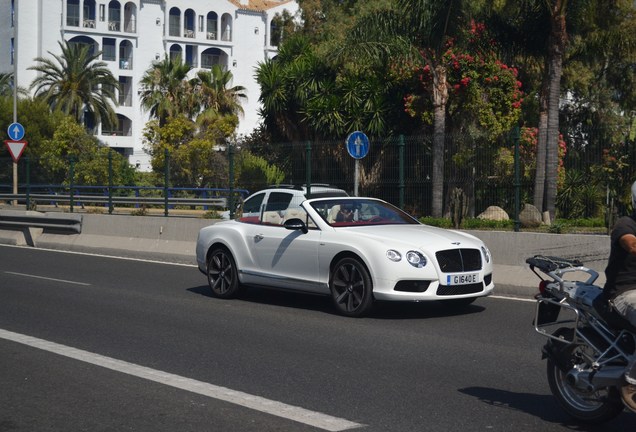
48, 278
501, 297
279, 409
102, 256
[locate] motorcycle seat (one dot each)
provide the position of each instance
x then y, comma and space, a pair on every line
606, 311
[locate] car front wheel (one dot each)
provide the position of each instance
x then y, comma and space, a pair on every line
351, 288
223, 274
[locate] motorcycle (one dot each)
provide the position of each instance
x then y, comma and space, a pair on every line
589, 345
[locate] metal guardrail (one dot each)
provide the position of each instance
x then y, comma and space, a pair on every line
33, 195
16, 219
100, 199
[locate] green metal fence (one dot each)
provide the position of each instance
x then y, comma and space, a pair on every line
594, 179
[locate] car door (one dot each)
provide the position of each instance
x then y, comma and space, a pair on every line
286, 258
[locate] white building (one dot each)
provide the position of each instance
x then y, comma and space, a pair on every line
132, 34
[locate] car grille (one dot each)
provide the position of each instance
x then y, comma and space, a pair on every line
459, 260
449, 290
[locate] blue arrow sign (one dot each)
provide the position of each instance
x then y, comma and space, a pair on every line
16, 131
357, 145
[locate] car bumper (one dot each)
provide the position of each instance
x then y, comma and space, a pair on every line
434, 291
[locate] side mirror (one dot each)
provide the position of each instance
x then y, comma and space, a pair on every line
296, 224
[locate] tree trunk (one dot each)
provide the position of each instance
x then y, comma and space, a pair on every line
548, 140
440, 98
556, 49
542, 137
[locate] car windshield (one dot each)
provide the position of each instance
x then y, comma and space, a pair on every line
343, 212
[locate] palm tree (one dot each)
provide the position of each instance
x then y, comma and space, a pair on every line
215, 94
6, 84
539, 29
75, 82
166, 91
287, 81
417, 30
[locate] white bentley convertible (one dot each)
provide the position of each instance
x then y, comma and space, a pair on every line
357, 250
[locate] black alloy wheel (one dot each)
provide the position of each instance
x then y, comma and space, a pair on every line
351, 287
223, 274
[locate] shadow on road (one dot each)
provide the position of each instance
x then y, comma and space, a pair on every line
322, 303
545, 408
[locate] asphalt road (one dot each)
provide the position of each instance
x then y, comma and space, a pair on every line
92, 343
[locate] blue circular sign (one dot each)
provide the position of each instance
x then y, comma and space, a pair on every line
15, 131
357, 145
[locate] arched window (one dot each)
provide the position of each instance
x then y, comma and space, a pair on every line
211, 26
189, 19
85, 40
226, 27
114, 16
72, 13
89, 14
123, 128
125, 55
175, 52
174, 23
213, 56
130, 18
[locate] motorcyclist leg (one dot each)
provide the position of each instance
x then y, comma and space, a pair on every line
625, 304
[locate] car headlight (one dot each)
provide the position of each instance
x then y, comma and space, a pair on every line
486, 253
416, 259
393, 255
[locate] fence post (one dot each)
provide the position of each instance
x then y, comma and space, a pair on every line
71, 180
401, 185
230, 156
110, 181
28, 183
166, 179
308, 168
517, 184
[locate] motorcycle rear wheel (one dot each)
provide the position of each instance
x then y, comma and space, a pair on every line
588, 406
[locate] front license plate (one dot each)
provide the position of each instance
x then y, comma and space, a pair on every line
462, 279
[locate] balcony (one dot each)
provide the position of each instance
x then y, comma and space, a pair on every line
114, 26
126, 64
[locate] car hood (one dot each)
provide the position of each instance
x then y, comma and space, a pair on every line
423, 237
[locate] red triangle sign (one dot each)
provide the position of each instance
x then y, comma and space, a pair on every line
16, 148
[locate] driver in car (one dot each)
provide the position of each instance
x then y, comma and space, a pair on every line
345, 214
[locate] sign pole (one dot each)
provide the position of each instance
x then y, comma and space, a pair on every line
356, 178
15, 92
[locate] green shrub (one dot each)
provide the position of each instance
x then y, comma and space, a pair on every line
583, 222
475, 223
437, 222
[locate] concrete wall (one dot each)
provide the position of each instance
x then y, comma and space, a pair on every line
174, 238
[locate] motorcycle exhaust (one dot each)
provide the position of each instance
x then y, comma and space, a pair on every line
610, 376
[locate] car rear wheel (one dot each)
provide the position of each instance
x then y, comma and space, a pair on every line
223, 274
351, 288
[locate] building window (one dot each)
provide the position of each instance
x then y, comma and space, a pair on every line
125, 91
102, 12
12, 12
174, 23
200, 23
109, 50
72, 13
12, 50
